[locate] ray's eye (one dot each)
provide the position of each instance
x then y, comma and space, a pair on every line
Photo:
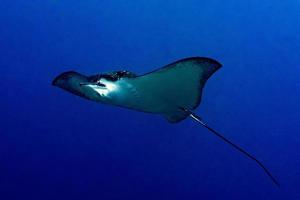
100, 84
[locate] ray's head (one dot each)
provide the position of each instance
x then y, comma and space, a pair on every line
97, 87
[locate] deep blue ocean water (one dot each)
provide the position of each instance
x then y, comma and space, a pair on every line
57, 146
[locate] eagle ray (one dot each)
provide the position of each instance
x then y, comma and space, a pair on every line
173, 91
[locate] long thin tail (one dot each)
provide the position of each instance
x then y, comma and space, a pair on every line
198, 119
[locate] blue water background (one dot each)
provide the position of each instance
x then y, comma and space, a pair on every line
54, 145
